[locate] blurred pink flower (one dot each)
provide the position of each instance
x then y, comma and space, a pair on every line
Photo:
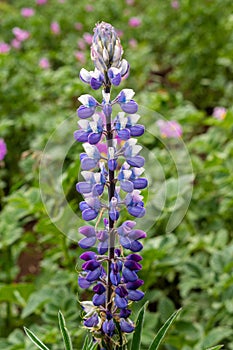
133, 43
129, 2
15, 43
4, 47
27, 12
88, 38
78, 26
89, 8
175, 4
81, 44
134, 22
120, 33
55, 28
20, 34
41, 2
44, 63
169, 129
3, 149
80, 56
219, 113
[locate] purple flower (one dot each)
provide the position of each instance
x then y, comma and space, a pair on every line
27, 12
175, 4
169, 129
4, 48
88, 107
219, 113
134, 22
90, 237
125, 100
44, 63
41, 2
55, 28
3, 149
20, 34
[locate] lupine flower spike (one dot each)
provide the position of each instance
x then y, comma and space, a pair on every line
111, 272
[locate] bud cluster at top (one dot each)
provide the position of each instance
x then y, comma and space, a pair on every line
111, 161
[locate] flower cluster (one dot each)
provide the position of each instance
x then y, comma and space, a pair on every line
111, 161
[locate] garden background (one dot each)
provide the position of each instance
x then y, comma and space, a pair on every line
181, 57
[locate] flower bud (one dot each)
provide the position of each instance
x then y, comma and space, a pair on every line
106, 49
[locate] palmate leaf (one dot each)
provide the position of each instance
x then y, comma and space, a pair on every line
163, 330
64, 332
35, 340
217, 347
136, 342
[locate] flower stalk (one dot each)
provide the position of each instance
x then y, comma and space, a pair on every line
111, 160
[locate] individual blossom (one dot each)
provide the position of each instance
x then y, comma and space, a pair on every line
55, 28
78, 26
133, 43
80, 56
16, 44
27, 12
4, 47
20, 34
134, 22
169, 129
44, 63
219, 113
3, 149
87, 38
175, 4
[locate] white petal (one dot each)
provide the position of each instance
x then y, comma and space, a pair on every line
87, 175
135, 150
89, 149
105, 55
106, 96
85, 75
83, 124
134, 118
111, 153
129, 93
127, 174
84, 99
124, 66
138, 171
93, 126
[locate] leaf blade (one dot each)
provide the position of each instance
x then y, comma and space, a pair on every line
163, 330
217, 347
64, 332
35, 339
136, 342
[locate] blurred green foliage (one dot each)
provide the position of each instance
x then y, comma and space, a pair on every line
181, 66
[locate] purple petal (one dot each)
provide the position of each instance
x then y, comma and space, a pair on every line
112, 164
121, 291
125, 313
134, 285
108, 327
140, 183
137, 161
94, 275
132, 265
123, 134
107, 109
99, 289
90, 265
81, 136
127, 186
137, 211
89, 214
94, 138
87, 231
136, 246
116, 80
129, 276
91, 321
125, 242
85, 112
83, 205
135, 295
115, 278
83, 283
88, 256
120, 302
98, 299
87, 243
137, 130
137, 234
95, 83
126, 326
135, 257
103, 247
130, 107
84, 187
88, 163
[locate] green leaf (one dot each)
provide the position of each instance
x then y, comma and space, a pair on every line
163, 330
215, 347
35, 340
64, 331
136, 342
